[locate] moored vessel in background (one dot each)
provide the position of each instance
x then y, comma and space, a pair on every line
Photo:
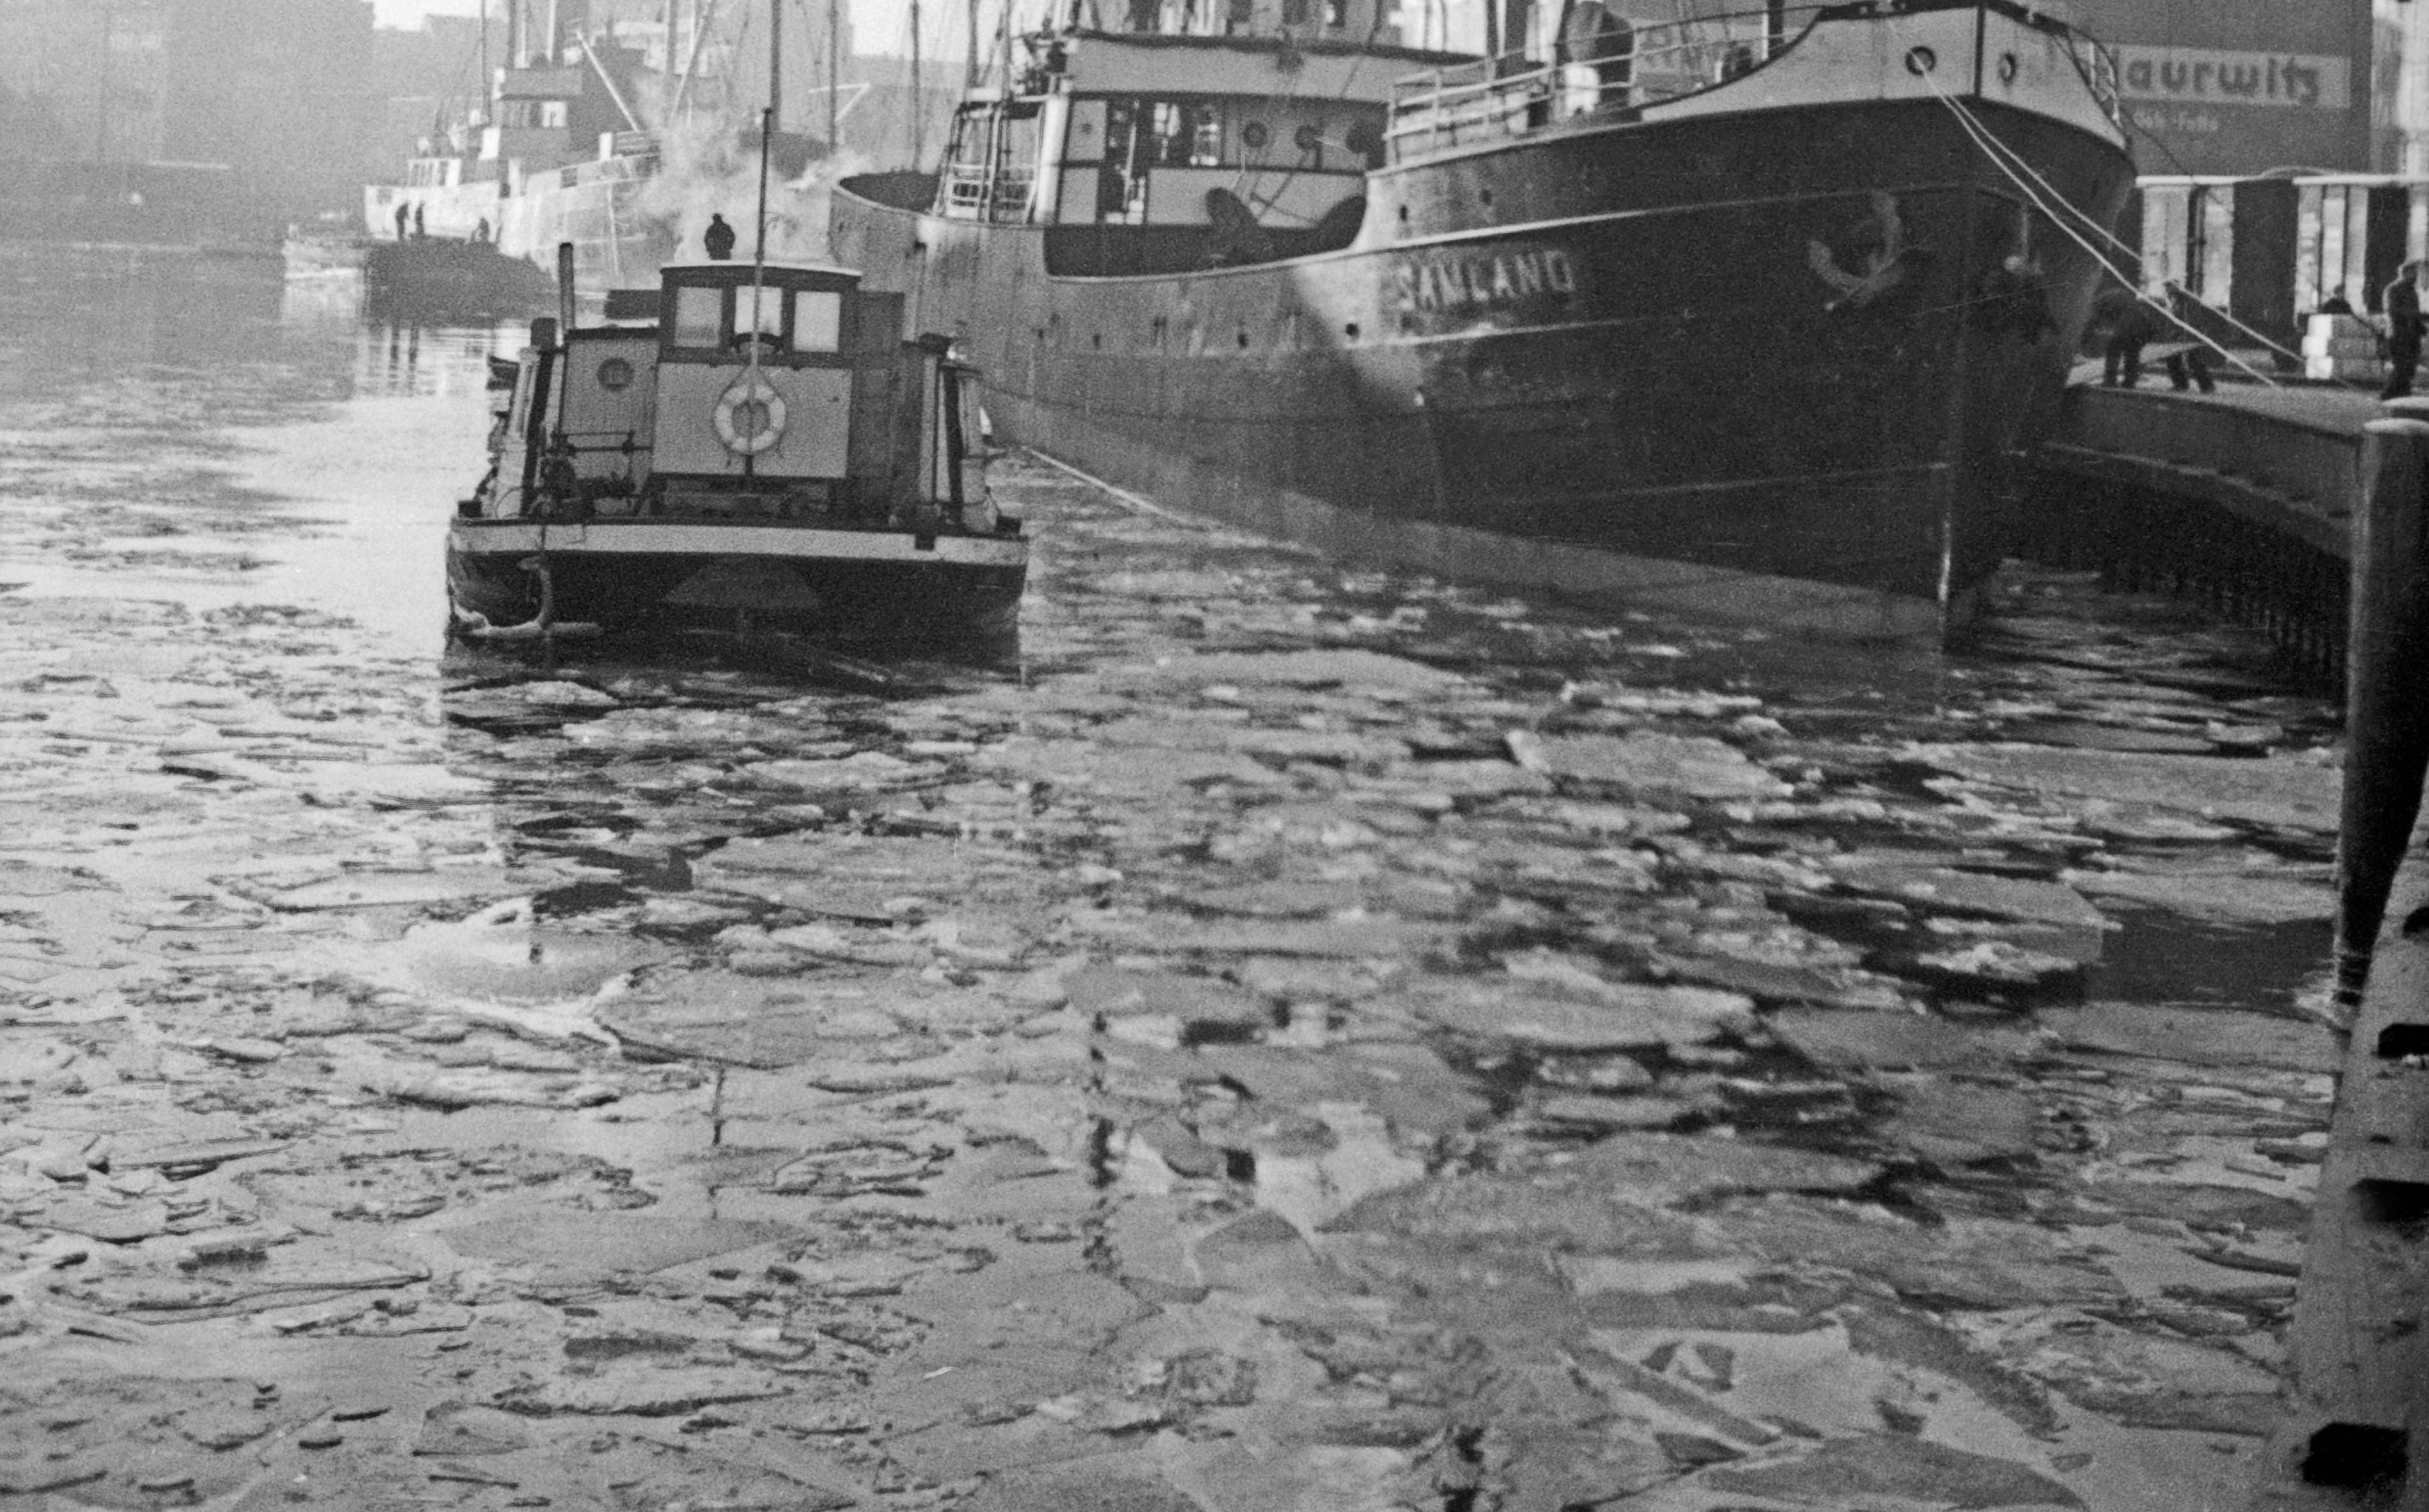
1738, 312
592, 148
434, 278
766, 455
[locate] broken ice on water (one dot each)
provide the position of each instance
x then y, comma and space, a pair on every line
1293, 1036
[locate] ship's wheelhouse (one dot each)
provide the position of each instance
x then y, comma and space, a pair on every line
1170, 152
755, 371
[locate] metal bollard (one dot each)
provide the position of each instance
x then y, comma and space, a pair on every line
2386, 686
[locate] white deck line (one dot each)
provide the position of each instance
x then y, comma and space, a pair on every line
664, 538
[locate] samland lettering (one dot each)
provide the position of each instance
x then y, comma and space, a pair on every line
2301, 81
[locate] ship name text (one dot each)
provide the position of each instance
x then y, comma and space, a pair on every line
1490, 281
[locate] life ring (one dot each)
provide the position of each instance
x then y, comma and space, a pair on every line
771, 406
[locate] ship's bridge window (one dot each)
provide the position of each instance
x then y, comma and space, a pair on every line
532, 115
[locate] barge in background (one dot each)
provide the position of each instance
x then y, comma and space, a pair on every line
764, 455
1735, 313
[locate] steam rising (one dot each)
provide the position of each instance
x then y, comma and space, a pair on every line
707, 170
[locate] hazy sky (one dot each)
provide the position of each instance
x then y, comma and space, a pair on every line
878, 22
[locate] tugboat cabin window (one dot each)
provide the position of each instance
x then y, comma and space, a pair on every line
700, 317
817, 321
759, 311
722, 318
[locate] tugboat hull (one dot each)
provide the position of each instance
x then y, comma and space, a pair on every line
644, 576
1759, 364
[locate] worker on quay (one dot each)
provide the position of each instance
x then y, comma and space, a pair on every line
2132, 324
2403, 330
719, 239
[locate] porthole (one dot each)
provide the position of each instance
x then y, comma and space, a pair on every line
1350, 330
1484, 197
615, 375
1920, 60
2008, 66
1255, 136
1309, 138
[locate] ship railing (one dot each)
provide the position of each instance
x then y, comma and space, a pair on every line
1655, 60
976, 192
1515, 94
2098, 66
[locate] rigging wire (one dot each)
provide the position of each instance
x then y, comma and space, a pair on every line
1992, 148
2001, 154
2110, 237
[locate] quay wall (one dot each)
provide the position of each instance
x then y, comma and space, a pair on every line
2246, 508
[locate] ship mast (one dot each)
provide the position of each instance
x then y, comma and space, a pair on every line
834, 76
100, 96
667, 72
759, 248
919, 116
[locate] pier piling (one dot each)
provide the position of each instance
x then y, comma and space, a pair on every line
2386, 705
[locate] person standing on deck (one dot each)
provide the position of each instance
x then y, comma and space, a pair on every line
403, 217
2133, 325
719, 239
2403, 329
418, 231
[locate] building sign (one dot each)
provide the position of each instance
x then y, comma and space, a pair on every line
2241, 86
2206, 76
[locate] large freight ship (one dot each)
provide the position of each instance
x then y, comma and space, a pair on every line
1734, 312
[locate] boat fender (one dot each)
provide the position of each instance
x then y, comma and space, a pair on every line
771, 410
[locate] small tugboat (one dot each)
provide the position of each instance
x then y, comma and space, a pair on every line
766, 456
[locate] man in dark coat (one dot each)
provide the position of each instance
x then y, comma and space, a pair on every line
2403, 329
2133, 325
719, 239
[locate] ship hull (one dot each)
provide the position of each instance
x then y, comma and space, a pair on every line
434, 279
1606, 363
646, 576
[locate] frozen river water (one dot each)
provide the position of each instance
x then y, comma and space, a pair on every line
1279, 1038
